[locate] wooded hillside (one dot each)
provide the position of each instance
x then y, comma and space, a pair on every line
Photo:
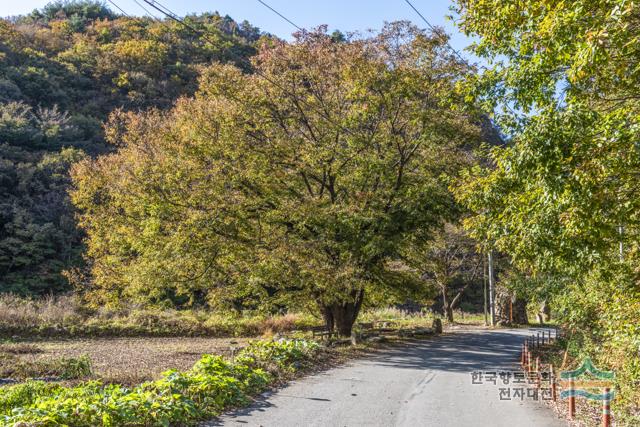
63, 70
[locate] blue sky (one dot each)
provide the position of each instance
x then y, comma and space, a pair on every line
346, 15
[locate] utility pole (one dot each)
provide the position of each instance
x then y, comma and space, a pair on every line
484, 290
492, 289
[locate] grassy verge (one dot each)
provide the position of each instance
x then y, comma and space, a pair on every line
178, 398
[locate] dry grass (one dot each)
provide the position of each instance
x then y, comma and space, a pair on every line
65, 316
16, 312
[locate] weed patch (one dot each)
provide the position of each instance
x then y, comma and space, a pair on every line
202, 392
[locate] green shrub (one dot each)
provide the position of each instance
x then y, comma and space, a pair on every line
278, 356
25, 394
183, 398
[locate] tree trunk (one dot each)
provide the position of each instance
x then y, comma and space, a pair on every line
449, 314
545, 310
502, 306
454, 303
447, 308
342, 315
511, 310
327, 315
520, 312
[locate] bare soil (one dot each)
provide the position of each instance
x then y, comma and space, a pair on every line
133, 360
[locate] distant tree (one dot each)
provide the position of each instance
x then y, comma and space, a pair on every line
78, 11
338, 36
38, 234
450, 261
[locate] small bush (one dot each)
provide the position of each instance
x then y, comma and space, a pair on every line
282, 356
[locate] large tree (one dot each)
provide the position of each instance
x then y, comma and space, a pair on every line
306, 175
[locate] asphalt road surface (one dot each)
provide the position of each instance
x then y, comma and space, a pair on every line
423, 383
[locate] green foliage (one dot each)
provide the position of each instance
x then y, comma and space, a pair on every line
184, 398
563, 196
283, 356
63, 69
24, 394
244, 191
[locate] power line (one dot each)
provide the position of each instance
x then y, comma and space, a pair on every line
280, 15
170, 14
454, 50
146, 10
437, 31
135, 17
175, 17
119, 8
166, 9
152, 16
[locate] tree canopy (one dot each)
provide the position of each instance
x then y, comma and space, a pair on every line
306, 175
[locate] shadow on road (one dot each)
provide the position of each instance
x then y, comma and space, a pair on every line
461, 352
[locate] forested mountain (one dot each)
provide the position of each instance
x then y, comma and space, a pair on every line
63, 69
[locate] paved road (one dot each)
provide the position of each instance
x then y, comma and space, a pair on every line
424, 383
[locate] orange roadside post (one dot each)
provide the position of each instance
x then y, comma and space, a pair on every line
606, 409
572, 401
552, 379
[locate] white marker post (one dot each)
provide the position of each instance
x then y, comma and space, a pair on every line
492, 304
